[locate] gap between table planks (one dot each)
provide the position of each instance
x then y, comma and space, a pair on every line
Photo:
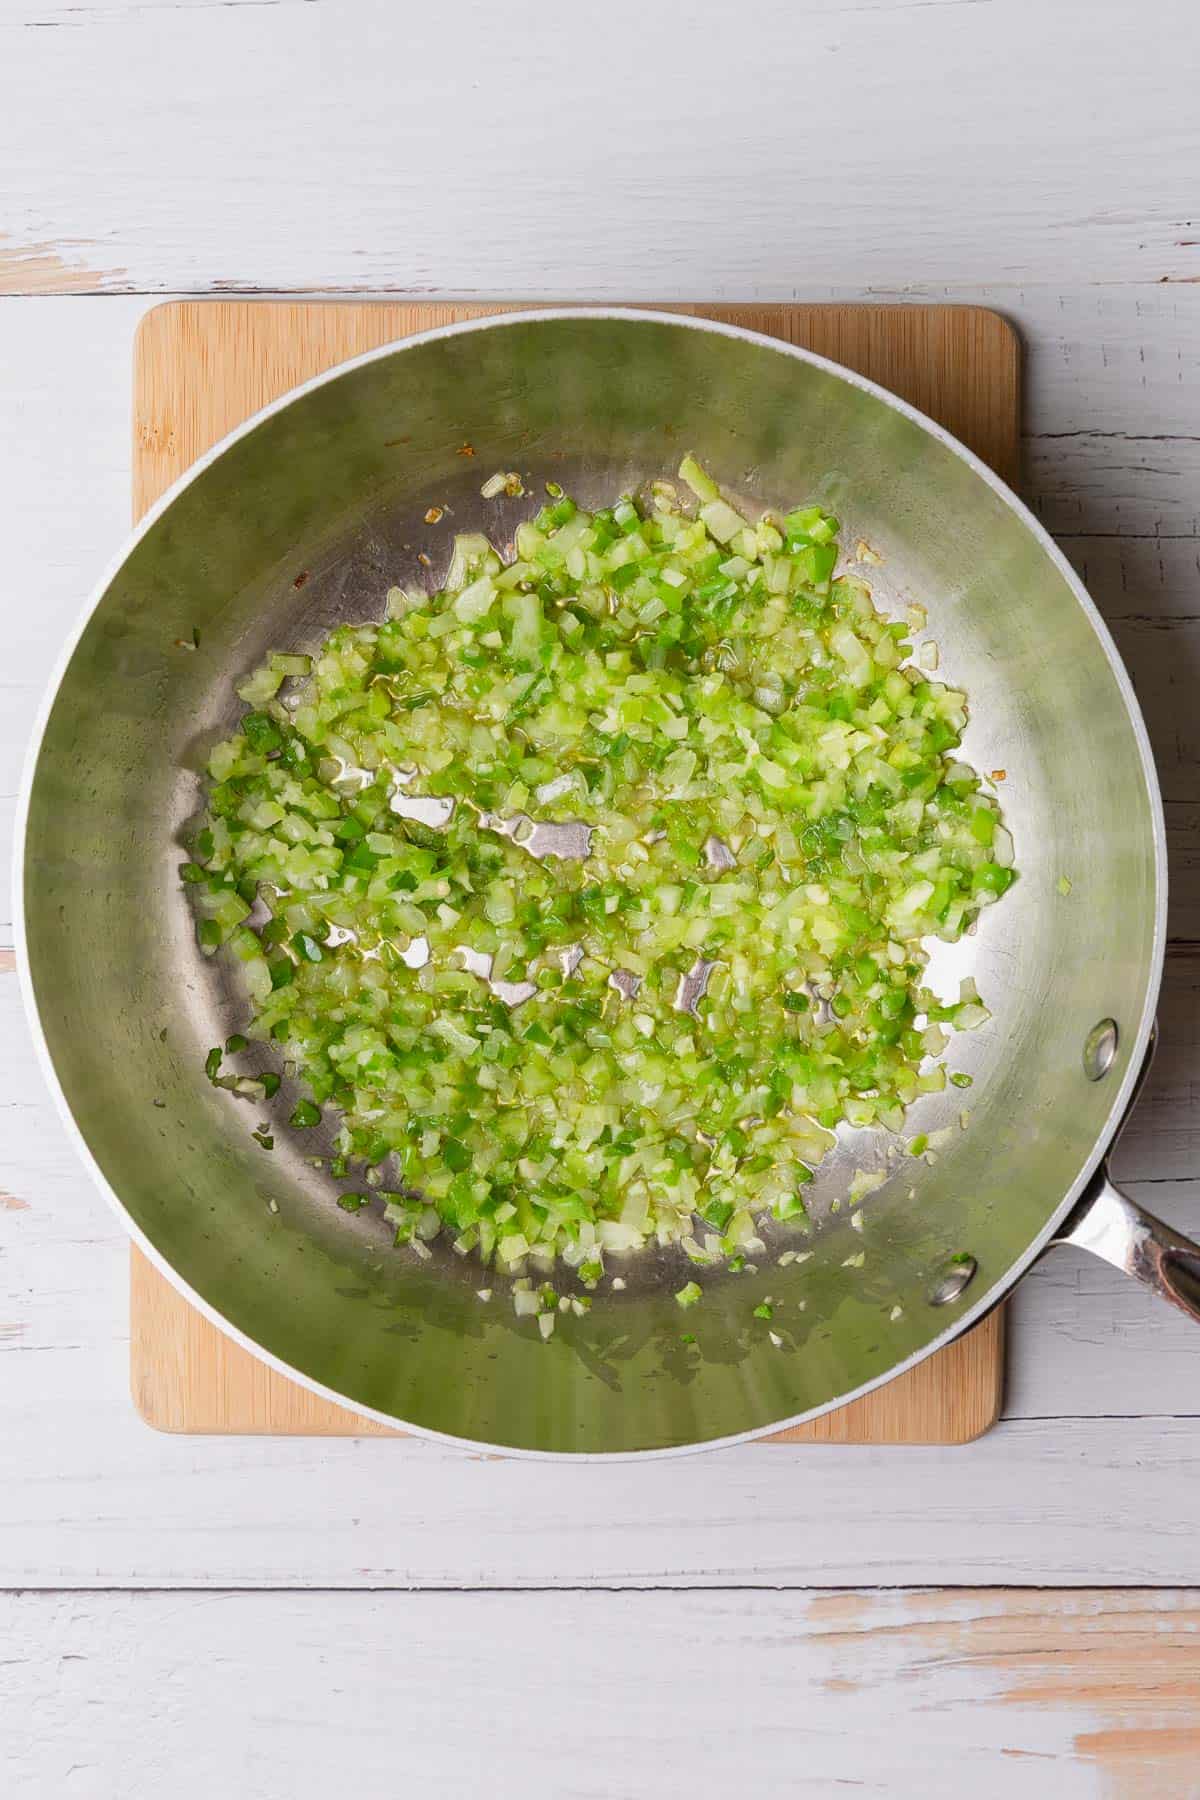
200, 369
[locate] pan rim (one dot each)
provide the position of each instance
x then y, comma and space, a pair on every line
690, 322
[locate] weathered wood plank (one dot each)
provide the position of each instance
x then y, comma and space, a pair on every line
591, 1695
351, 144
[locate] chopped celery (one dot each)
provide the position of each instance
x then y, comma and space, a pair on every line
774, 819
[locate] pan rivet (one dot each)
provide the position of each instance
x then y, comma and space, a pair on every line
955, 1277
1100, 1048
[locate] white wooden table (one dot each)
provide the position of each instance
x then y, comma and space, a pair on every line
287, 1618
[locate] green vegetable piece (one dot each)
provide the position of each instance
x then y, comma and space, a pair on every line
261, 732
983, 825
772, 794
991, 878
701, 484
456, 1156
791, 1206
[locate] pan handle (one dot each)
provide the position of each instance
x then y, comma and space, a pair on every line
1112, 1226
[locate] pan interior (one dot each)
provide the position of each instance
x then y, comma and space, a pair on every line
333, 488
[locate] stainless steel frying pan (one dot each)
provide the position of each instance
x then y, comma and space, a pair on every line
335, 482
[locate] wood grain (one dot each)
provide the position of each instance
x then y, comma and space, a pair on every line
679, 1696
186, 1376
201, 367
475, 149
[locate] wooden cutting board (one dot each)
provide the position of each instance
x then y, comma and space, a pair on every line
200, 368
